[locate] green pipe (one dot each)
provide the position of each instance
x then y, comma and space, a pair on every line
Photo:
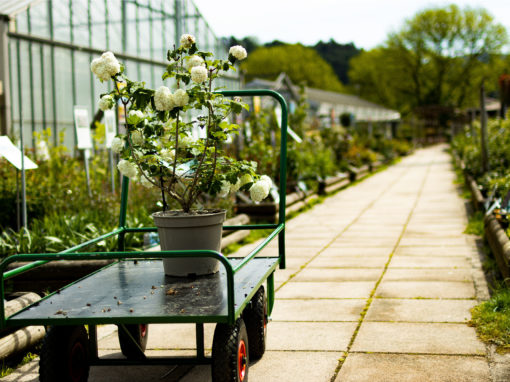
259, 247
53, 86
270, 293
283, 157
43, 86
27, 267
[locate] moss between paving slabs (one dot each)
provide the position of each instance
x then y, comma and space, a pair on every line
492, 320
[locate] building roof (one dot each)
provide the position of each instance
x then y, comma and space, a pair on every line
10, 8
363, 110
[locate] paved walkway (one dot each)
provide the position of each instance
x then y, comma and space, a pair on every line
379, 285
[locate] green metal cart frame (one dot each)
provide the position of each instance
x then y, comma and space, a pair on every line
134, 290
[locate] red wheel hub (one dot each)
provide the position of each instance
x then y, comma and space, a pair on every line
143, 330
242, 359
77, 361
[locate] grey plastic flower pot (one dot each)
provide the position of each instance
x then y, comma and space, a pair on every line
197, 230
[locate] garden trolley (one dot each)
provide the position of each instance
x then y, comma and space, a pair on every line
133, 292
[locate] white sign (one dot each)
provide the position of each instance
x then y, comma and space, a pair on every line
13, 154
82, 126
110, 128
292, 133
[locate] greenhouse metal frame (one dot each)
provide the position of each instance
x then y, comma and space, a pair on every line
46, 47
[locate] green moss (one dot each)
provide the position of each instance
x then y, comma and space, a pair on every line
475, 224
492, 320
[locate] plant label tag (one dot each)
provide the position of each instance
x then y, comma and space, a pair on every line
110, 127
82, 126
13, 154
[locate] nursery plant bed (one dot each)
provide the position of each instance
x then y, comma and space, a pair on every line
500, 245
56, 274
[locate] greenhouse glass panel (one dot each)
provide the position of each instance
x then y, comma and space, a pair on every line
98, 24
63, 94
47, 93
22, 22
39, 20
114, 19
80, 22
82, 80
131, 29
36, 87
61, 20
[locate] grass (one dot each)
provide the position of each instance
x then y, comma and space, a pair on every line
492, 320
475, 224
8, 368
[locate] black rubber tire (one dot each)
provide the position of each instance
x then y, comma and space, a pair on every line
65, 355
228, 342
140, 332
255, 318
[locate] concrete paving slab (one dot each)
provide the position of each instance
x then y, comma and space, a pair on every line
309, 336
426, 289
349, 249
318, 310
454, 251
413, 368
420, 310
309, 290
166, 336
281, 366
408, 241
324, 261
402, 274
400, 261
352, 242
338, 274
427, 338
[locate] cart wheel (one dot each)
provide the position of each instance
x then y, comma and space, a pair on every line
255, 317
131, 350
65, 355
230, 353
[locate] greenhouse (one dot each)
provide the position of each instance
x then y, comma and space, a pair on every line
46, 48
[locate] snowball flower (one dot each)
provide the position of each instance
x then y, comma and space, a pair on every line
117, 145
145, 182
238, 52
225, 189
198, 74
167, 155
194, 61
265, 178
127, 168
187, 40
163, 99
137, 138
135, 117
180, 98
105, 102
259, 191
186, 141
105, 67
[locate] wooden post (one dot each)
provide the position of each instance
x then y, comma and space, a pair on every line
484, 138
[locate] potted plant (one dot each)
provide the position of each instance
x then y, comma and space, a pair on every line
175, 141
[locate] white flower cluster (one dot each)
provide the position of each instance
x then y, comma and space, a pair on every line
187, 40
238, 52
127, 168
165, 100
194, 61
117, 145
198, 74
135, 117
105, 67
261, 188
145, 182
181, 98
258, 191
106, 102
167, 155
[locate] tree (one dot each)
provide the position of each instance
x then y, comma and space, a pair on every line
301, 64
338, 56
438, 58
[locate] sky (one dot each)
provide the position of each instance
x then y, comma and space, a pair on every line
366, 23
